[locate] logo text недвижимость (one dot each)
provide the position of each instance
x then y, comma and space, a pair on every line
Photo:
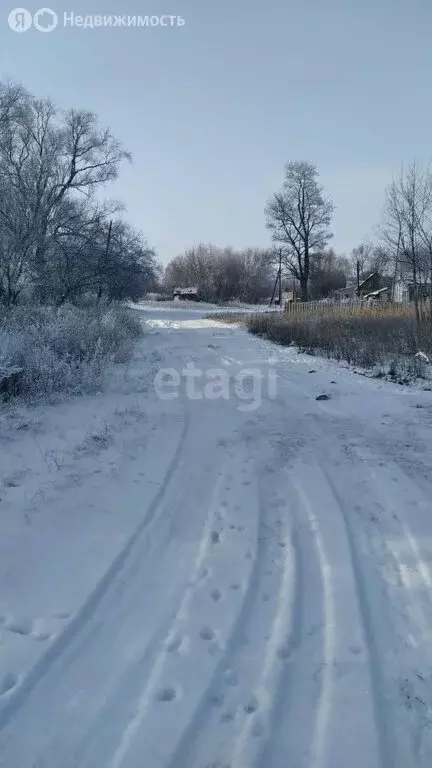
46, 20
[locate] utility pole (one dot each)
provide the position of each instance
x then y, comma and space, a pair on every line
280, 277
358, 278
397, 270
108, 240
278, 281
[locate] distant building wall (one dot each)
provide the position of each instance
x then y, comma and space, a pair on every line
186, 294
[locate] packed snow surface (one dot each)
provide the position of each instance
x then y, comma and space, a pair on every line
232, 574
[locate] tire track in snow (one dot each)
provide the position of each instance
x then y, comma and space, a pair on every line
282, 705
408, 668
246, 749
395, 549
177, 626
383, 730
328, 679
41, 668
403, 547
228, 565
253, 664
129, 630
329, 619
195, 731
302, 695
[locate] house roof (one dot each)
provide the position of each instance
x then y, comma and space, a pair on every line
186, 290
368, 278
353, 286
347, 288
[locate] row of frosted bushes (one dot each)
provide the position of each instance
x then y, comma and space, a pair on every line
47, 350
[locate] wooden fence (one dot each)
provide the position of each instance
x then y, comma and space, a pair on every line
350, 309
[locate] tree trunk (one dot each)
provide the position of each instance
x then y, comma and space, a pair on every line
416, 295
303, 288
430, 286
304, 279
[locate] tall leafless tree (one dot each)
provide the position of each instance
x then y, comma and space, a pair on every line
46, 157
407, 228
299, 217
53, 227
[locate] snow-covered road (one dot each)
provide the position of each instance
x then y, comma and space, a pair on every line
196, 581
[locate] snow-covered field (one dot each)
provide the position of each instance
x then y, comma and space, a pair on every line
196, 581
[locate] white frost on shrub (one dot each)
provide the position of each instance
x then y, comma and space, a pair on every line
66, 349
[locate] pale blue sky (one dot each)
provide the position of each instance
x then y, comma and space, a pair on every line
212, 111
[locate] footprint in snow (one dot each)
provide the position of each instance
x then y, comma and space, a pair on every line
203, 574
285, 651
7, 683
231, 678
11, 483
227, 717
251, 706
19, 626
215, 537
217, 700
216, 595
166, 694
207, 633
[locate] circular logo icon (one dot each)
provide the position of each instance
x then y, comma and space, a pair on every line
20, 20
45, 20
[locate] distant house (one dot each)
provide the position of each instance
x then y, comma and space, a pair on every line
404, 290
404, 287
186, 294
353, 291
288, 297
